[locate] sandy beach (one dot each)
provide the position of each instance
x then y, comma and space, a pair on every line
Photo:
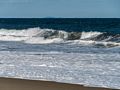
19, 84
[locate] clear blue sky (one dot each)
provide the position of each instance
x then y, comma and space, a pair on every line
60, 8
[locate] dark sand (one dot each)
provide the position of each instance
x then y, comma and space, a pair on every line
18, 84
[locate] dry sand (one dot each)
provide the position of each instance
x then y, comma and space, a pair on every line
19, 84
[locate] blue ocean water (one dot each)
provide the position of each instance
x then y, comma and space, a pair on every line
78, 51
111, 25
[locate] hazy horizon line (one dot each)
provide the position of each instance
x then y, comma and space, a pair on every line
54, 17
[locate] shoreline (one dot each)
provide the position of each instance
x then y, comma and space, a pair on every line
22, 84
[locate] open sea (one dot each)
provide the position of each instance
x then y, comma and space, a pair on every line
82, 51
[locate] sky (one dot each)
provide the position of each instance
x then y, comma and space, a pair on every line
60, 8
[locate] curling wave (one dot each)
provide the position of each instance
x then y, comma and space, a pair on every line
44, 36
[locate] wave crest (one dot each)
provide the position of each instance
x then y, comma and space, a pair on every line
44, 36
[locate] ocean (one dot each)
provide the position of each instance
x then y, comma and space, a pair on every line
83, 51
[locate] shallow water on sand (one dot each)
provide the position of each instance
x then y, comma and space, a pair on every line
62, 62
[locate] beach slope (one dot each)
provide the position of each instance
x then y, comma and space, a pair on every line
19, 84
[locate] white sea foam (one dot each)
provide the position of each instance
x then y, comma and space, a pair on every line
91, 42
12, 38
89, 69
86, 35
31, 32
23, 33
45, 36
40, 40
32, 35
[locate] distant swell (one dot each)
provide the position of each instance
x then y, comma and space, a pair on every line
44, 36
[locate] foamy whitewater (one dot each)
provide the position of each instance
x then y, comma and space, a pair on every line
45, 36
90, 58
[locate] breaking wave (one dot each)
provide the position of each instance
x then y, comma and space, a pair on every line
45, 36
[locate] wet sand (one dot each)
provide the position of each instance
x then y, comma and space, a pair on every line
19, 84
